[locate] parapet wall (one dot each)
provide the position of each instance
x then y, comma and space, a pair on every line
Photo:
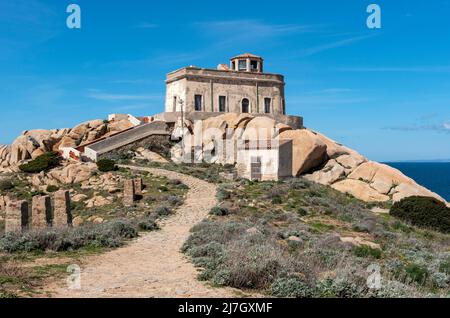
296, 122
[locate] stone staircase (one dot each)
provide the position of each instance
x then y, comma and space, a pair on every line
93, 151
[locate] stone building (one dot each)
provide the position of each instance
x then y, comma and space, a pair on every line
241, 87
265, 160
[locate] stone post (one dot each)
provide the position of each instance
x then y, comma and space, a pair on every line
61, 209
40, 212
128, 193
138, 186
16, 216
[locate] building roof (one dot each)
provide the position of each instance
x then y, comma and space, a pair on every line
246, 55
263, 144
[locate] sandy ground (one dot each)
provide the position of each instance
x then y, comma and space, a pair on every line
152, 265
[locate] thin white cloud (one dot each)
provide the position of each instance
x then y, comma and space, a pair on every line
412, 69
335, 44
443, 127
253, 28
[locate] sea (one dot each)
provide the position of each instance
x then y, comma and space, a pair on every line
432, 175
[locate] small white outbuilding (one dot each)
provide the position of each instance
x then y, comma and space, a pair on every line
264, 160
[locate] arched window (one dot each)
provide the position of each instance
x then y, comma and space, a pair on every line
245, 104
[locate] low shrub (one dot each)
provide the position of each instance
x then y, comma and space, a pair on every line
423, 212
163, 188
162, 211
277, 200
417, 273
340, 288
292, 287
219, 211
148, 225
174, 200
110, 234
6, 184
52, 188
106, 165
222, 195
444, 267
367, 251
44, 162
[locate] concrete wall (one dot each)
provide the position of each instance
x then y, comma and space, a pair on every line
269, 163
175, 89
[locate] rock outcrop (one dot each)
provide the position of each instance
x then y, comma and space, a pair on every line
34, 143
315, 156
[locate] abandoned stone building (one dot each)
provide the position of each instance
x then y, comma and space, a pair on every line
241, 87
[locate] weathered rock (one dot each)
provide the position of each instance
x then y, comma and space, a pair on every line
381, 177
97, 201
16, 216
359, 241
73, 173
351, 161
331, 173
98, 220
308, 151
407, 190
79, 197
260, 128
62, 216
359, 189
77, 221
334, 149
67, 142
120, 125
41, 212
36, 153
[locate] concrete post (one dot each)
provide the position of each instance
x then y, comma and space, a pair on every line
62, 216
40, 212
128, 193
138, 186
16, 216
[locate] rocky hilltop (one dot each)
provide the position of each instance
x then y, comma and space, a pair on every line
315, 156
33, 143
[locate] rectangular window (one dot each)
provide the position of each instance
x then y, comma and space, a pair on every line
254, 65
198, 102
174, 104
222, 103
267, 102
242, 65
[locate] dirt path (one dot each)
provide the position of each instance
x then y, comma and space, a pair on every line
152, 266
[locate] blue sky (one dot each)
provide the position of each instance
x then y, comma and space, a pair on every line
385, 93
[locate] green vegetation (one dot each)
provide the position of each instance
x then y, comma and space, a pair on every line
52, 188
110, 234
293, 247
6, 184
204, 171
219, 211
367, 251
106, 165
424, 212
120, 224
44, 162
